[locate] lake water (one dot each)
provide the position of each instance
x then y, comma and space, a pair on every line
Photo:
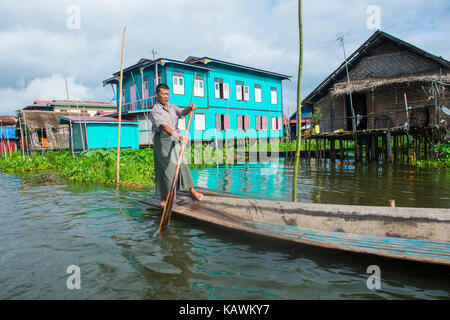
47, 225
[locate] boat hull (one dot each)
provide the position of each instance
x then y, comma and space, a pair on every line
413, 234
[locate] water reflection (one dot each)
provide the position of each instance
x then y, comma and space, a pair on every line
45, 227
344, 182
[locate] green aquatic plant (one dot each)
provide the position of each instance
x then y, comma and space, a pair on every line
89, 166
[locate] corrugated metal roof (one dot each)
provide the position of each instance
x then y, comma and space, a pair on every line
94, 119
7, 120
206, 60
41, 103
79, 103
147, 63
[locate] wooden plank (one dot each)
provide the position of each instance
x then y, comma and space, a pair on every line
274, 219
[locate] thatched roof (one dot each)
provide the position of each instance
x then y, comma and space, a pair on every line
341, 88
382, 72
42, 119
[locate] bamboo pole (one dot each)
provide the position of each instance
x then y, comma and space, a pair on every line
81, 129
71, 138
9, 147
21, 140
26, 135
167, 212
299, 104
120, 111
3, 142
70, 121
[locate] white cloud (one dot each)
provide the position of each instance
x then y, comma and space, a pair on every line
37, 45
49, 88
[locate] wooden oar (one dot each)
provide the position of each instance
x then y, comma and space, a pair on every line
165, 219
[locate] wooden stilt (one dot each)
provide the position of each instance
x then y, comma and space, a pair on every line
395, 148
332, 149
408, 141
388, 148
316, 150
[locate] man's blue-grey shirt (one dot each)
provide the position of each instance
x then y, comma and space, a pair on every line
159, 116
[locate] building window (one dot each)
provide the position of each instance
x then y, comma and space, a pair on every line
276, 123
181, 124
273, 95
243, 122
239, 90
261, 123
221, 90
42, 136
246, 93
258, 96
222, 122
199, 122
178, 83
199, 86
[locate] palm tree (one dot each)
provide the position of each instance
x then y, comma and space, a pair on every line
299, 105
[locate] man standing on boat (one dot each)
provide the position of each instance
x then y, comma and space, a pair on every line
166, 145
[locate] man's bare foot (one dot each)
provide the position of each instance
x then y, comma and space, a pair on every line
163, 202
197, 195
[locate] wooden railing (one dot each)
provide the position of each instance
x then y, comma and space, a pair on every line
142, 104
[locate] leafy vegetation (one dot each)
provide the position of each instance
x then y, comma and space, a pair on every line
136, 166
442, 157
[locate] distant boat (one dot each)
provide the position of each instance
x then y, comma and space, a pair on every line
412, 234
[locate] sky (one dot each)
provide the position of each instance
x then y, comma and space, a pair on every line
42, 42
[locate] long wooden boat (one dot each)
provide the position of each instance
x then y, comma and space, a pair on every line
413, 234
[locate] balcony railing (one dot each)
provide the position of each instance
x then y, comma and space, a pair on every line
142, 104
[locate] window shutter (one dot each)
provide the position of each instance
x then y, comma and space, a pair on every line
145, 93
198, 88
226, 122
226, 91
182, 124
216, 90
199, 121
133, 93
258, 97
218, 122
273, 95
279, 125
246, 93
246, 122
258, 123
178, 82
264, 123
238, 92
175, 81
239, 123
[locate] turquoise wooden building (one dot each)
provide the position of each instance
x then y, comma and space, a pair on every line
234, 101
92, 133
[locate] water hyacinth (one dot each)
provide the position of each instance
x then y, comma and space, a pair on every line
136, 166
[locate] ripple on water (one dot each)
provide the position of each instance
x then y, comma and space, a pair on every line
111, 237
